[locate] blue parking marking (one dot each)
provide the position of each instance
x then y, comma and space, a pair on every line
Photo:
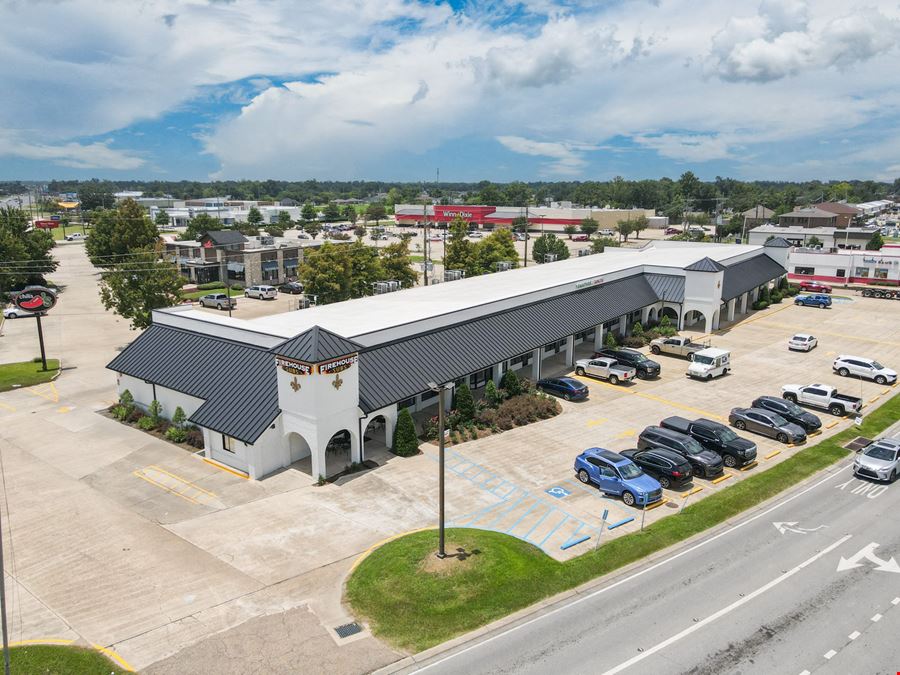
541, 520
522, 517
493, 490
624, 521
558, 492
551, 532
514, 505
574, 541
480, 513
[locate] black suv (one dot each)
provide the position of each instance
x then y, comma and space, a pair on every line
666, 466
735, 451
646, 368
789, 411
704, 462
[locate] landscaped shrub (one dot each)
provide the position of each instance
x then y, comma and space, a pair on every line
126, 400
492, 395
134, 416
405, 442
194, 437
760, 304
637, 330
783, 284
510, 383
212, 285
430, 429
610, 341
178, 417
487, 418
154, 410
120, 412
775, 298
634, 341
176, 434
465, 404
146, 423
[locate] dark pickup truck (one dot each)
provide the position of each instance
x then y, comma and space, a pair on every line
646, 368
734, 450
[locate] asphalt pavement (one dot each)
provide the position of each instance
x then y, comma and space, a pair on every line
809, 584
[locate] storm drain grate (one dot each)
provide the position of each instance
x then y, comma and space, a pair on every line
348, 629
858, 443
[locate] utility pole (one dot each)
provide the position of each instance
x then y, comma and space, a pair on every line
525, 257
3, 609
425, 238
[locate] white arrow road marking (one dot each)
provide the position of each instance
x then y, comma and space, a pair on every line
725, 610
792, 527
868, 553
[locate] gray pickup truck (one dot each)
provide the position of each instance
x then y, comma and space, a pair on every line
606, 369
677, 346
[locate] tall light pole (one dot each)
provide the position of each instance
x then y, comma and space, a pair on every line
525, 257
440, 392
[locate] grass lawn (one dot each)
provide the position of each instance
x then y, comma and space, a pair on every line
60, 660
415, 609
196, 295
26, 374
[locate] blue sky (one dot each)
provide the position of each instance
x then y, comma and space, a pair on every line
533, 90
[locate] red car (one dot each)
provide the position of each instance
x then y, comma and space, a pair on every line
581, 237
672, 230
814, 287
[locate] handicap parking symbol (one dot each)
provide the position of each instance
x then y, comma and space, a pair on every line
558, 492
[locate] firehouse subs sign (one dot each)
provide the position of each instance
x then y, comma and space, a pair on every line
293, 367
328, 368
338, 365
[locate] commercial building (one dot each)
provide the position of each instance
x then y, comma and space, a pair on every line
846, 267
488, 217
808, 217
758, 215
828, 237
229, 256
226, 212
845, 213
311, 386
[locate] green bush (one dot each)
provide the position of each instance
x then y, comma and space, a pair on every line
126, 400
120, 412
195, 437
146, 423
154, 410
176, 434
486, 418
783, 284
212, 285
775, 298
511, 383
405, 443
637, 329
465, 404
178, 417
610, 341
492, 395
634, 341
760, 304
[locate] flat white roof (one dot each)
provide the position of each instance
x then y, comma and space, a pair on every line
381, 312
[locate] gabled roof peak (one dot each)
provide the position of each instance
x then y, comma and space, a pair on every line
778, 242
316, 345
706, 264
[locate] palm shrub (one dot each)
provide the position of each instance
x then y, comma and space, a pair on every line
405, 443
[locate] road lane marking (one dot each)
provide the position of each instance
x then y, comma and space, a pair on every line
652, 397
7, 407
830, 654
594, 423
855, 634
876, 618
727, 610
636, 575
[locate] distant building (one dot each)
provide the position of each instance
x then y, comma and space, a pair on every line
758, 215
845, 212
808, 217
127, 194
846, 267
489, 217
874, 208
829, 237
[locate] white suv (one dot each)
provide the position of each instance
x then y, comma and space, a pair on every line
860, 366
261, 292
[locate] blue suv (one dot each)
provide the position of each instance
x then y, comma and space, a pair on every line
617, 475
818, 300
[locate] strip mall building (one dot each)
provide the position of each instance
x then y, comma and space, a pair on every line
488, 217
313, 386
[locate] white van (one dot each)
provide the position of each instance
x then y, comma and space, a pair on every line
709, 363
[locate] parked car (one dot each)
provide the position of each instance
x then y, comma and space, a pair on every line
617, 475
802, 342
676, 346
606, 369
709, 363
75, 236
766, 423
879, 460
822, 301
581, 237
704, 463
291, 287
607, 233
789, 411
734, 450
16, 312
564, 387
261, 292
522, 236
646, 368
860, 366
814, 287
672, 230
218, 300
666, 466
822, 396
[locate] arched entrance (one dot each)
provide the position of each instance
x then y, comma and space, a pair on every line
338, 452
375, 434
693, 317
652, 315
299, 447
669, 312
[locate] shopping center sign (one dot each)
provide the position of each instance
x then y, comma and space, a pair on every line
35, 299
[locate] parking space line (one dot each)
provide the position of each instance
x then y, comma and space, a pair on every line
522, 517
841, 335
140, 475
651, 397
7, 407
772, 454
725, 476
480, 513
182, 480
550, 510
46, 391
551, 532
507, 511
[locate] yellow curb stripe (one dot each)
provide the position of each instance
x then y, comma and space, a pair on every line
218, 465
692, 492
41, 641
115, 657
721, 478
182, 480
874, 398
365, 554
832, 424
886, 391
654, 505
751, 465
7, 407
772, 454
164, 487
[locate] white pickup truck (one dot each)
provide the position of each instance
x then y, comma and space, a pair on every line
606, 369
822, 396
677, 346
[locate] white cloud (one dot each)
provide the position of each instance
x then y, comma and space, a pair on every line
568, 159
688, 147
75, 155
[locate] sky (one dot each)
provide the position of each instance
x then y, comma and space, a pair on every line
498, 90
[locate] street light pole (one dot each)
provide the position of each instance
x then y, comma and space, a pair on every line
440, 392
525, 258
3, 610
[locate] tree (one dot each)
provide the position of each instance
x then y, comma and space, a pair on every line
570, 230
198, 227
624, 228
396, 264
133, 289
638, 224
162, 219
350, 214
688, 185
519, 224
312, 228
284, 220
118, 232
308, 212
813, 241
465, 404
254, 217
326, 273
589, 226
492, 395
365, 269
875, 243
375, 212
24, 256
359, 231
549, 244
601, 244
611, 342
517, 193
248, 228
405, 442
485, 255
510, 383
274, 231
457, 249
96, 195
332, 213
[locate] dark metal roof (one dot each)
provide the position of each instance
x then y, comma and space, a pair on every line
705, 265
667, 287
225, 237
778, 242
237, 381
748, 274
316, 345
398, 370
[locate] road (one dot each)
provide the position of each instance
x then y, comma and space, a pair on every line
809, 584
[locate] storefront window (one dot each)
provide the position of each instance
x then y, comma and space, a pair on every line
270, 270
840, 272
804, 270
479, 379
236, 271
227, 443
407, 403
881, 273
524, 359
290, 267
862, 272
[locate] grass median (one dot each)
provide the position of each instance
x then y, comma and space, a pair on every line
59, 660
26, 374
413, 605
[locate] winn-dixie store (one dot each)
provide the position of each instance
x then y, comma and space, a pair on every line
489, 217
322, 387
846, 267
